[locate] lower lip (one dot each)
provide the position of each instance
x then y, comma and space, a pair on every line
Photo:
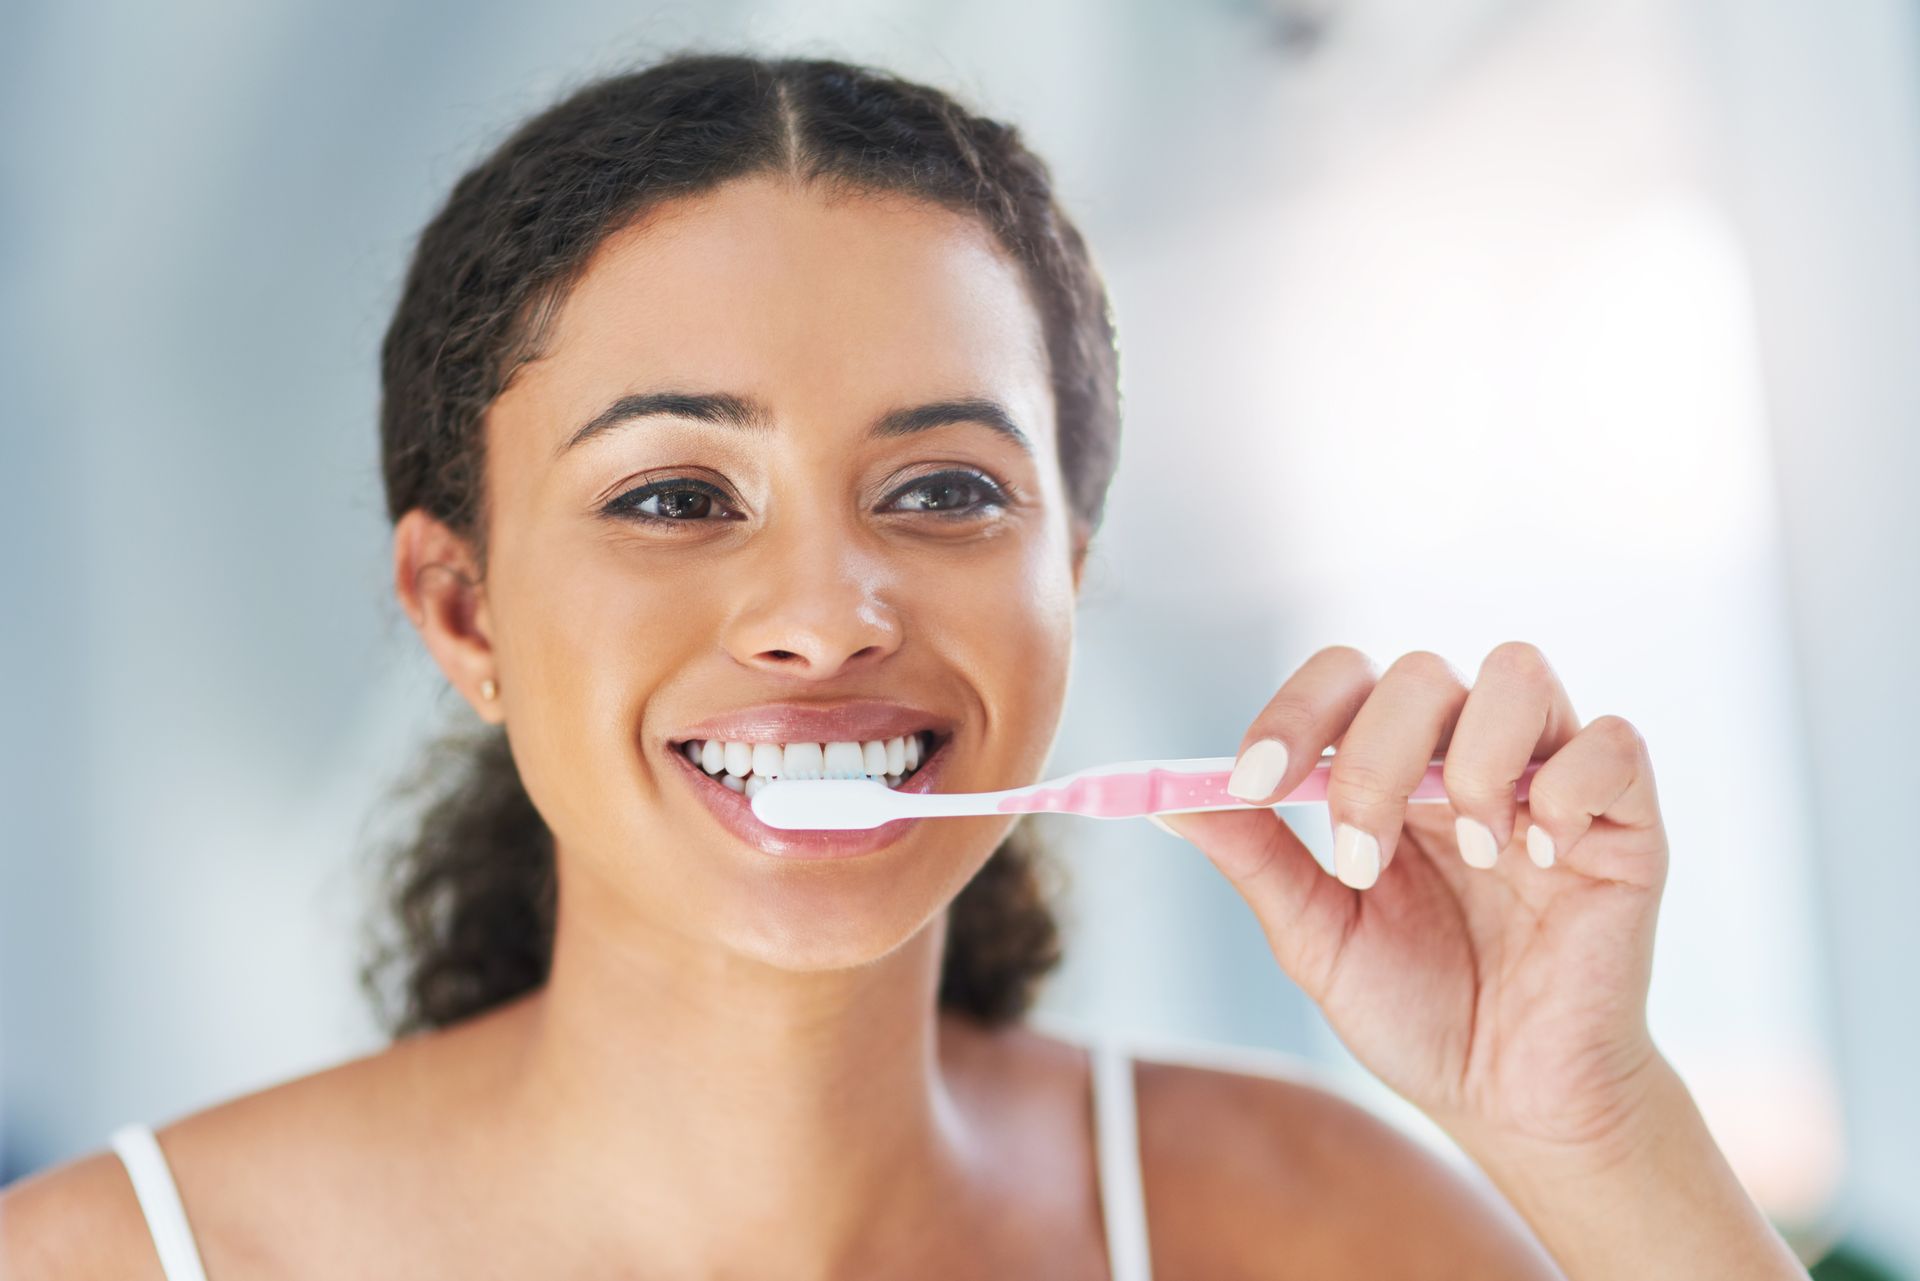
735, 813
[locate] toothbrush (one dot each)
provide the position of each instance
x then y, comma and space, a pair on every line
1125, 789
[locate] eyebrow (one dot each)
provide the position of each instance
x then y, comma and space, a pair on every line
726, 410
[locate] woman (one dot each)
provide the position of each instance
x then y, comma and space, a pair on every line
737, 406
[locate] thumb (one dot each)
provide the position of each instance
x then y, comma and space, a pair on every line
1304, 911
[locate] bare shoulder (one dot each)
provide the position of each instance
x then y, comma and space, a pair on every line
246, 1169
76, 1221
83, 1219
1249, 1172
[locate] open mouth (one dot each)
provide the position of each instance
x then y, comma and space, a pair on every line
747, 767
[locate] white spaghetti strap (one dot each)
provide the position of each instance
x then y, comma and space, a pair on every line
1123, 1203
159, 1201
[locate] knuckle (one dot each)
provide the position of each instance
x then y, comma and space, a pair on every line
1362, 782
1473, 786
1619, 733
1349, 656
1288, 717
1520, 660
1426, 667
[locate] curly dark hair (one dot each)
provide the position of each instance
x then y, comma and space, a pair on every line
471, 889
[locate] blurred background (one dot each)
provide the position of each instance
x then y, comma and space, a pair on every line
1591, 323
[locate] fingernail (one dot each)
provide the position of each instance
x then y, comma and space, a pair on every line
1160, 823
1539, 845
1476, 842
1356, 857
1258, 770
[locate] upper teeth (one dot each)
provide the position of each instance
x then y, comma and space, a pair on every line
887, 758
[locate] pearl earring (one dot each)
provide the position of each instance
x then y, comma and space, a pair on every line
489, 690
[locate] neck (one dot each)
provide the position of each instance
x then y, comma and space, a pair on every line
731, 1117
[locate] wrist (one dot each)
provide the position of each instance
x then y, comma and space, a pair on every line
1641, 1191
1625, 1118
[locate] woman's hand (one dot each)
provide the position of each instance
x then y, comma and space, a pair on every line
1495, 978
1489, 959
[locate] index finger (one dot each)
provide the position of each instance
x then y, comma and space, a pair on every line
1312, 709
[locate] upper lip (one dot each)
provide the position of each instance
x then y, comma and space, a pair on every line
855, 721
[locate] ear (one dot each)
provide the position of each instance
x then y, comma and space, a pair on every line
437, 578
1080, 545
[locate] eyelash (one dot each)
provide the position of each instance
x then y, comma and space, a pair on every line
626, 506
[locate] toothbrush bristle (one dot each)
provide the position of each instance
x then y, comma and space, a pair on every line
846, 804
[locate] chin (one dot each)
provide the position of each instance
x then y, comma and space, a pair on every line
846, 945
834, 916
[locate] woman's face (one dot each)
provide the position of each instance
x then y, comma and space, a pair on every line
799, 561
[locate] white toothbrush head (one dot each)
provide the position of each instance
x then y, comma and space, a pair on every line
846, 804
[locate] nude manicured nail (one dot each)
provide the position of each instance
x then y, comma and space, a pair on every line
1477, 845
1356, 857
1539, 845
1160, 823
1258, 770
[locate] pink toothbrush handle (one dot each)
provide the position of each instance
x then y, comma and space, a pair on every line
1159, 791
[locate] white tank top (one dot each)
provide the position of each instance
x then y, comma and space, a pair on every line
159, 1201
1116, 1154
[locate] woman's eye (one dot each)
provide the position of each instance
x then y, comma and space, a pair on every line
687, 501
954, 492
673, 502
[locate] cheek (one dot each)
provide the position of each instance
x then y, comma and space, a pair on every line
592, 628
1043, 632
1008, 624
587, 634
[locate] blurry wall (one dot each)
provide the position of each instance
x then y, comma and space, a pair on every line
1818, 109
1580, 322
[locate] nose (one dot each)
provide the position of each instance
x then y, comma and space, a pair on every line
817, 608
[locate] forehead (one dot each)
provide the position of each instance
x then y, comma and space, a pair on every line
804, 297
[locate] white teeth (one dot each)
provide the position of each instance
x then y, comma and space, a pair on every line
749, 766
803, 760
767, 760
843, 760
